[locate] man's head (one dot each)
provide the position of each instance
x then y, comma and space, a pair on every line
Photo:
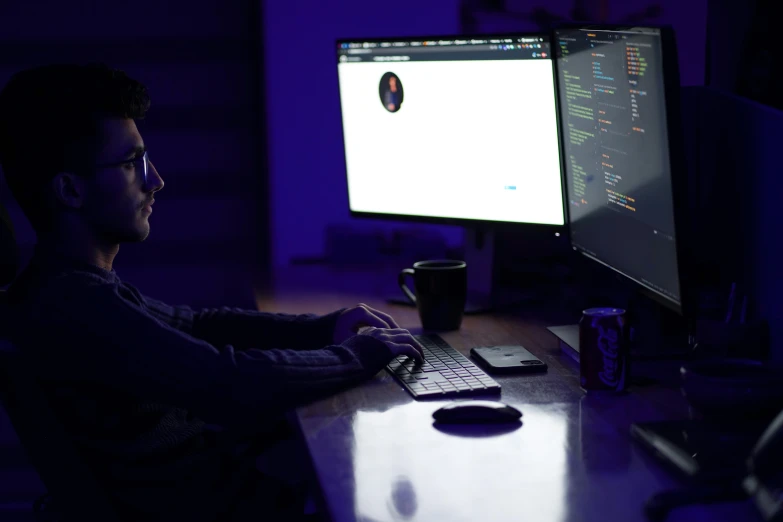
67, 141
393, 83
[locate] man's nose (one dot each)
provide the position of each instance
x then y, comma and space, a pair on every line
154, 181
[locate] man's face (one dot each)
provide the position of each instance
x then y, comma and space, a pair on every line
393, 84
117, 205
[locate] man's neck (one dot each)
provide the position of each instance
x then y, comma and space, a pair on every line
91, 252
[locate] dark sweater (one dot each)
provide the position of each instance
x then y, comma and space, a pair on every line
133, 380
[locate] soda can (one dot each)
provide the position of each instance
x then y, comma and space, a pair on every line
603, 350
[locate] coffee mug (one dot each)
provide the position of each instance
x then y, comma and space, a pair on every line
441, 290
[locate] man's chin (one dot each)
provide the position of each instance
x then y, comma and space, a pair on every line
144, 232
135, 236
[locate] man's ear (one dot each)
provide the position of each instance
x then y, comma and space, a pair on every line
69, 189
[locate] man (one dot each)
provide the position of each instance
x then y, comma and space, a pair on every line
169, 406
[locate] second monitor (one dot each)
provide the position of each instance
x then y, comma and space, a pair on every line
618, 89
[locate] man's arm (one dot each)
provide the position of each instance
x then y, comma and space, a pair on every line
245, 329
91, 333
252, 329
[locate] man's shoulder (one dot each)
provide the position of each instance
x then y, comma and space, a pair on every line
34, 286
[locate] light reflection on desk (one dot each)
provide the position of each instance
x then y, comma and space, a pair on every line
400, 468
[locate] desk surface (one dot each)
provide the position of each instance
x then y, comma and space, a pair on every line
378, 456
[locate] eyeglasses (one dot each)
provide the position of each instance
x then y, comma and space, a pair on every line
140, 163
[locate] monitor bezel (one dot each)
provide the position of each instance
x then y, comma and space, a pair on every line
677, 164
465, 222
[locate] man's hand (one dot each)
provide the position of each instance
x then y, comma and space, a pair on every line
361, 315
399, 341
370, 320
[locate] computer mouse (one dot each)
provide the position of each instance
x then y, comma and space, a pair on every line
477, 412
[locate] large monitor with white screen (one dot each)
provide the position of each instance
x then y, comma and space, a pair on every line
452, 129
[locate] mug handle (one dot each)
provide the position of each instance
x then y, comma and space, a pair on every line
403, 286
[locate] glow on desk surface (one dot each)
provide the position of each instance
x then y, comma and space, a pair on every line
448, 476
561, 464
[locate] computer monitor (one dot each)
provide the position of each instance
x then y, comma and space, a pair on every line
452, 129
625, 176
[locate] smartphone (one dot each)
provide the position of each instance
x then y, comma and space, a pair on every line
507, 359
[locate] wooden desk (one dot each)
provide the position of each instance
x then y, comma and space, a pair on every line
378, 456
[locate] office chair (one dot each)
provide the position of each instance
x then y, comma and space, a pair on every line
74, 490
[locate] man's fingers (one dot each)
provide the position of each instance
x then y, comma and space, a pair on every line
363, 317
383, 315
405, 349
406, 337
409, 340
396, 335
403, 337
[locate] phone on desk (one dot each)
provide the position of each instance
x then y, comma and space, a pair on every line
507, 359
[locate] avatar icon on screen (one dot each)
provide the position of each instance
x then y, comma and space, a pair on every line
391, 92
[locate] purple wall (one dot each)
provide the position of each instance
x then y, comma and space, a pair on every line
306, 161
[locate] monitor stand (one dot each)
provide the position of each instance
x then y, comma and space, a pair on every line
480, 257
483, 296
568, 335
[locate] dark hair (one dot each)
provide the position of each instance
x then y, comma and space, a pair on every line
49, 120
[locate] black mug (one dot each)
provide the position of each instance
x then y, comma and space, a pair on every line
441, 291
